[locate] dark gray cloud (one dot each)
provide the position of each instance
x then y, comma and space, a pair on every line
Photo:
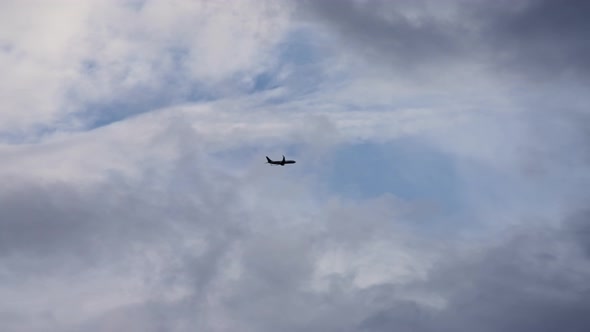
538, 38
545, 38
533, 280
579, 224
379, 29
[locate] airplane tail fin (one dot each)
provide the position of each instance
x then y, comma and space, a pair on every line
268, 159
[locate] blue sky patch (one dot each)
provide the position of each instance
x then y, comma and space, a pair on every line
299, 48
406, 168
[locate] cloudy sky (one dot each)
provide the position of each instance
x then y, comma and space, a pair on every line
442, 176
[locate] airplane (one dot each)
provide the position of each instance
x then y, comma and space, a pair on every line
282, 162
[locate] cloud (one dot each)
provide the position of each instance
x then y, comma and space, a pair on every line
542, 38
135, 197
388, 30
533, 38
578, 224
182, 244
115, 60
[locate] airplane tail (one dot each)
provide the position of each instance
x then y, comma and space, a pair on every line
268, 159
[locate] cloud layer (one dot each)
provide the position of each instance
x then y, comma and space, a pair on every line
440, 185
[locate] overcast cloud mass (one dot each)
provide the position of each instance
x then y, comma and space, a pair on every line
441, 181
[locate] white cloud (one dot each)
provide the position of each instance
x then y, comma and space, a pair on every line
38, 58
75, 57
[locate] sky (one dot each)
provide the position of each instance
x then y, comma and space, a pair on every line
441, 181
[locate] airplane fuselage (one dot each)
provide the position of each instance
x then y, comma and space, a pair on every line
282, 162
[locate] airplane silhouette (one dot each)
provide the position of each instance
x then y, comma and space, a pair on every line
282, 162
